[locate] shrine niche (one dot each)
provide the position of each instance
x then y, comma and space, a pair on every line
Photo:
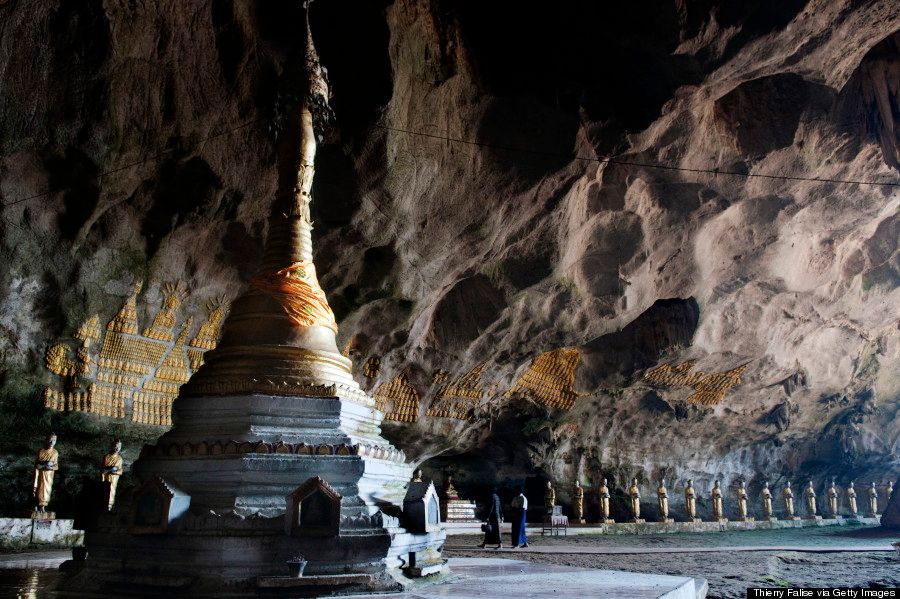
156, 504
398, 399
550, 379
127, 374
314, 509
421, 508
459, 398
709, 388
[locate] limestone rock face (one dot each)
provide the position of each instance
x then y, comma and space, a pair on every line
135, 144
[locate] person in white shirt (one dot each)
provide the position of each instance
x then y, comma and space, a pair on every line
519, 508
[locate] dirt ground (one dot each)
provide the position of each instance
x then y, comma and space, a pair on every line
729, 573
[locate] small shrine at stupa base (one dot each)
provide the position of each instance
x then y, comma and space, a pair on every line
275, 463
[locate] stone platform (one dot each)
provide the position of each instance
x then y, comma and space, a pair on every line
502, 578
654, 528
25, 533
273, 478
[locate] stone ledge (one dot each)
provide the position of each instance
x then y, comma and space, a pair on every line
674, 527
321, 580
156, 582
22, 533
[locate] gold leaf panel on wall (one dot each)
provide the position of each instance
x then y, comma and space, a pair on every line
133, 376
550, 380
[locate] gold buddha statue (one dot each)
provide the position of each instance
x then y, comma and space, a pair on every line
449, 489
111, 469
832, 501
690, 501
810, 495
662, 500
603, 493
45, 466
717, 503
741, 494
634, 495
578, 503
549, 498
873, 502
788, 496
851, 500
767, 502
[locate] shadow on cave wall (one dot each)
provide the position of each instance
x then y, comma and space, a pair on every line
641, 343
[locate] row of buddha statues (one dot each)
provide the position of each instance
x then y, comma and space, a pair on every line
717, 499
47, 463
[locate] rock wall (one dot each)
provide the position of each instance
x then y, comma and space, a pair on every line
135, 144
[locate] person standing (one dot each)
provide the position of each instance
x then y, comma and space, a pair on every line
519, 509
491, 528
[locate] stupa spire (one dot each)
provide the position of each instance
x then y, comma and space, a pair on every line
279, 337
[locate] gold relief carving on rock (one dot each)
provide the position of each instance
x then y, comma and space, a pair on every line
372, 367
58, 362
208, 334
709, 388
459, 398
398, 400
164, 321
550, 379
297, 290
133, 375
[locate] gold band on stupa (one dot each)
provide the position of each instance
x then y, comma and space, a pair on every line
298, 291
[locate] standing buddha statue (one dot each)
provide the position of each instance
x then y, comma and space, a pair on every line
717, 505
873, 502
578, 503
741, 494
851, 500
690, 501
788, 495
45, 465
662, 499
767, 502
603, 492
832, 501
810, 494
111, 469
635, 495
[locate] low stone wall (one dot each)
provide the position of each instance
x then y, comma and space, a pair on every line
25, 533
655, 528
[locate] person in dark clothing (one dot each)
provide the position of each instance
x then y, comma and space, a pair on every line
494, 518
